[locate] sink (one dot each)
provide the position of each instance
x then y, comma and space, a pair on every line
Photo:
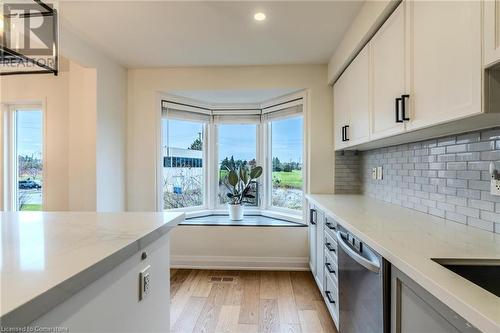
482, 272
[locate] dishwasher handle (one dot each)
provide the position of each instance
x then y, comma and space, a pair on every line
371, 265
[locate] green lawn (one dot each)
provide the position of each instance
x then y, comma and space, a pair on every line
31, 207
288, 179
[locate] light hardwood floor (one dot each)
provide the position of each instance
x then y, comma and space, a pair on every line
254, 301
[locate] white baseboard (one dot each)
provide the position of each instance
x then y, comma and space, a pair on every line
240, 263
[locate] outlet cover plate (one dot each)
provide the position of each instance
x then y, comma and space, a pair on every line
495, 187
144, 282
374, 173
380, 173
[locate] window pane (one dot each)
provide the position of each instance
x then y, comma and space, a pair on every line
237, 145
286, 150
182, 163
28, 147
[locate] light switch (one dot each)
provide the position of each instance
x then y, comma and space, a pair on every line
144, 282
380, 175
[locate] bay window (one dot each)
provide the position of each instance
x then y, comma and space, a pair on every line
200, 144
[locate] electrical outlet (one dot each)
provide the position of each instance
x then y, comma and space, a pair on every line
374, 173
380, 174
495, 187
144, 282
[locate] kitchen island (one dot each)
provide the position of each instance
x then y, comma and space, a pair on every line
80, 271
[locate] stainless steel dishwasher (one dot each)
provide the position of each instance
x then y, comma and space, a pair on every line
364, 287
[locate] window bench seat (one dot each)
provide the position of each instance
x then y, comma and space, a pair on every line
248, 221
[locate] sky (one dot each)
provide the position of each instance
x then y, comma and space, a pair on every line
239, 140
29, 133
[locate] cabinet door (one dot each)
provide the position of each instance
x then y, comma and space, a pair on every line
312, 239
388, 66
491, 14
445, 47
320, 232
340, 110
358, 89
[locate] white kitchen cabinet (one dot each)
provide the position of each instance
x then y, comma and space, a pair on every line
313, 217
415, 310
351, 103
388, 66
341, 110
446, 65
491, 37
320, 232
359, 98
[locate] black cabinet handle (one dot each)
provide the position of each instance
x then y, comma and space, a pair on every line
343, 133
346, 137
312, 216
329, 247
330, 226
329, 268
328, 295
398, 102
403, 103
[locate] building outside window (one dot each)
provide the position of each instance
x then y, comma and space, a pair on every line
182, 149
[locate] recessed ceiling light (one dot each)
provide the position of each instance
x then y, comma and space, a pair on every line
259, 16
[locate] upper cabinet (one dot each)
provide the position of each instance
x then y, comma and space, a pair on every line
351, 103
446, 69
491, 16
388, 66
421, 69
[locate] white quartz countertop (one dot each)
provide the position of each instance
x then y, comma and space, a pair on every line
48, 257
409, 239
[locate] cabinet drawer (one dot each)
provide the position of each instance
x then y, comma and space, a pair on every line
330, 226
331, 296
331, 246
331, 267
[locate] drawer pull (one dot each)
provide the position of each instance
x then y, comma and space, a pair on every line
329, 268
329, 296
329, 247
313, 216
330, 226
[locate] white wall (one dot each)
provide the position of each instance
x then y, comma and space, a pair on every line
143, 112
52, 91
214, 246
69, 112
111, 100
369, 19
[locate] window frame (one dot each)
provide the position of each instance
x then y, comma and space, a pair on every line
263, 150
9, 147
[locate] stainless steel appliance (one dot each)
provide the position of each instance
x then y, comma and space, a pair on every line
364, 287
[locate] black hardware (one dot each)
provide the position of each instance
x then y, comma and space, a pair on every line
329, 268
403, 103
329, 247
312, 216
144, 255
343, 133
346, 137
330, 226
398, 119
328, 293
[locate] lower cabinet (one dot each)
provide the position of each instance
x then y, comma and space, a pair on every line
323, 258
413, 309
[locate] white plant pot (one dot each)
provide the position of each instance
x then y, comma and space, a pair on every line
235, 212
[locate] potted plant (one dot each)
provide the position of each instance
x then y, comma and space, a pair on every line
238, 185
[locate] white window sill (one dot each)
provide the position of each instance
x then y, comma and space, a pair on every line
296, 218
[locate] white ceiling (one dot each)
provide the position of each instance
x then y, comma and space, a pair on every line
212, 33
217, 97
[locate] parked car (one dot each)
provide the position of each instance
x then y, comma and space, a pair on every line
29, 185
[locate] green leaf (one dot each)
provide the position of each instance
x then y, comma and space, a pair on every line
230, 195
232, 178
244, 175
256, 172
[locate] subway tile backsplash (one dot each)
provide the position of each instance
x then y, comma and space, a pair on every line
446, 177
